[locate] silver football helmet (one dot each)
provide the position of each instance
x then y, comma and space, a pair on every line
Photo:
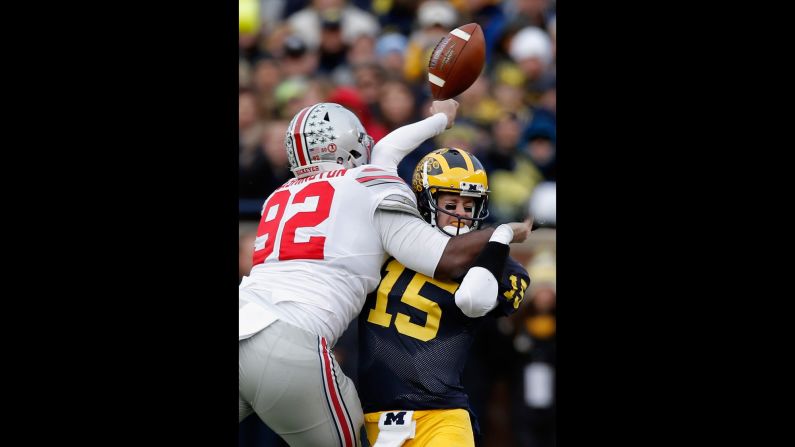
323, 134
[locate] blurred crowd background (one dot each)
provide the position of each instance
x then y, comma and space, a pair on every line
371, 56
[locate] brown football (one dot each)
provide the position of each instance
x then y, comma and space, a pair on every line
456, 61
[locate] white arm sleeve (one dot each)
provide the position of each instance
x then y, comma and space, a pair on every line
401, 141
413, 242
477, 294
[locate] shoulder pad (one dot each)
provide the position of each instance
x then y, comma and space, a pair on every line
400, 203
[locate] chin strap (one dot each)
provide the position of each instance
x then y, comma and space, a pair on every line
456, 231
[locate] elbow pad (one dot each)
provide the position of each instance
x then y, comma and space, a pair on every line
477, 294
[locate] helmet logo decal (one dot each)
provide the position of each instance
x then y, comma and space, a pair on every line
472, 189
321, 131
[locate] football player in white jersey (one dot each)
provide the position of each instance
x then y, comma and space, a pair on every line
321, 241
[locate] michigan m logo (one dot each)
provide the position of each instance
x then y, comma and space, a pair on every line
397, 418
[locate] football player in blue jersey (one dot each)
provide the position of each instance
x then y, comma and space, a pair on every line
415, 331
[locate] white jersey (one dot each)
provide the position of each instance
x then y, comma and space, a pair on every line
319, 248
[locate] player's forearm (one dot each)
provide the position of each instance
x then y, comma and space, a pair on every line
460, 253
493, 256
391, 149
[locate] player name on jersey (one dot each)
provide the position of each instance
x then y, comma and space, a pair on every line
322, 175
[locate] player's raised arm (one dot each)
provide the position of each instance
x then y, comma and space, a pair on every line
401, 141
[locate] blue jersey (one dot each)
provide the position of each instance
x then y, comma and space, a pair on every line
414, 340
